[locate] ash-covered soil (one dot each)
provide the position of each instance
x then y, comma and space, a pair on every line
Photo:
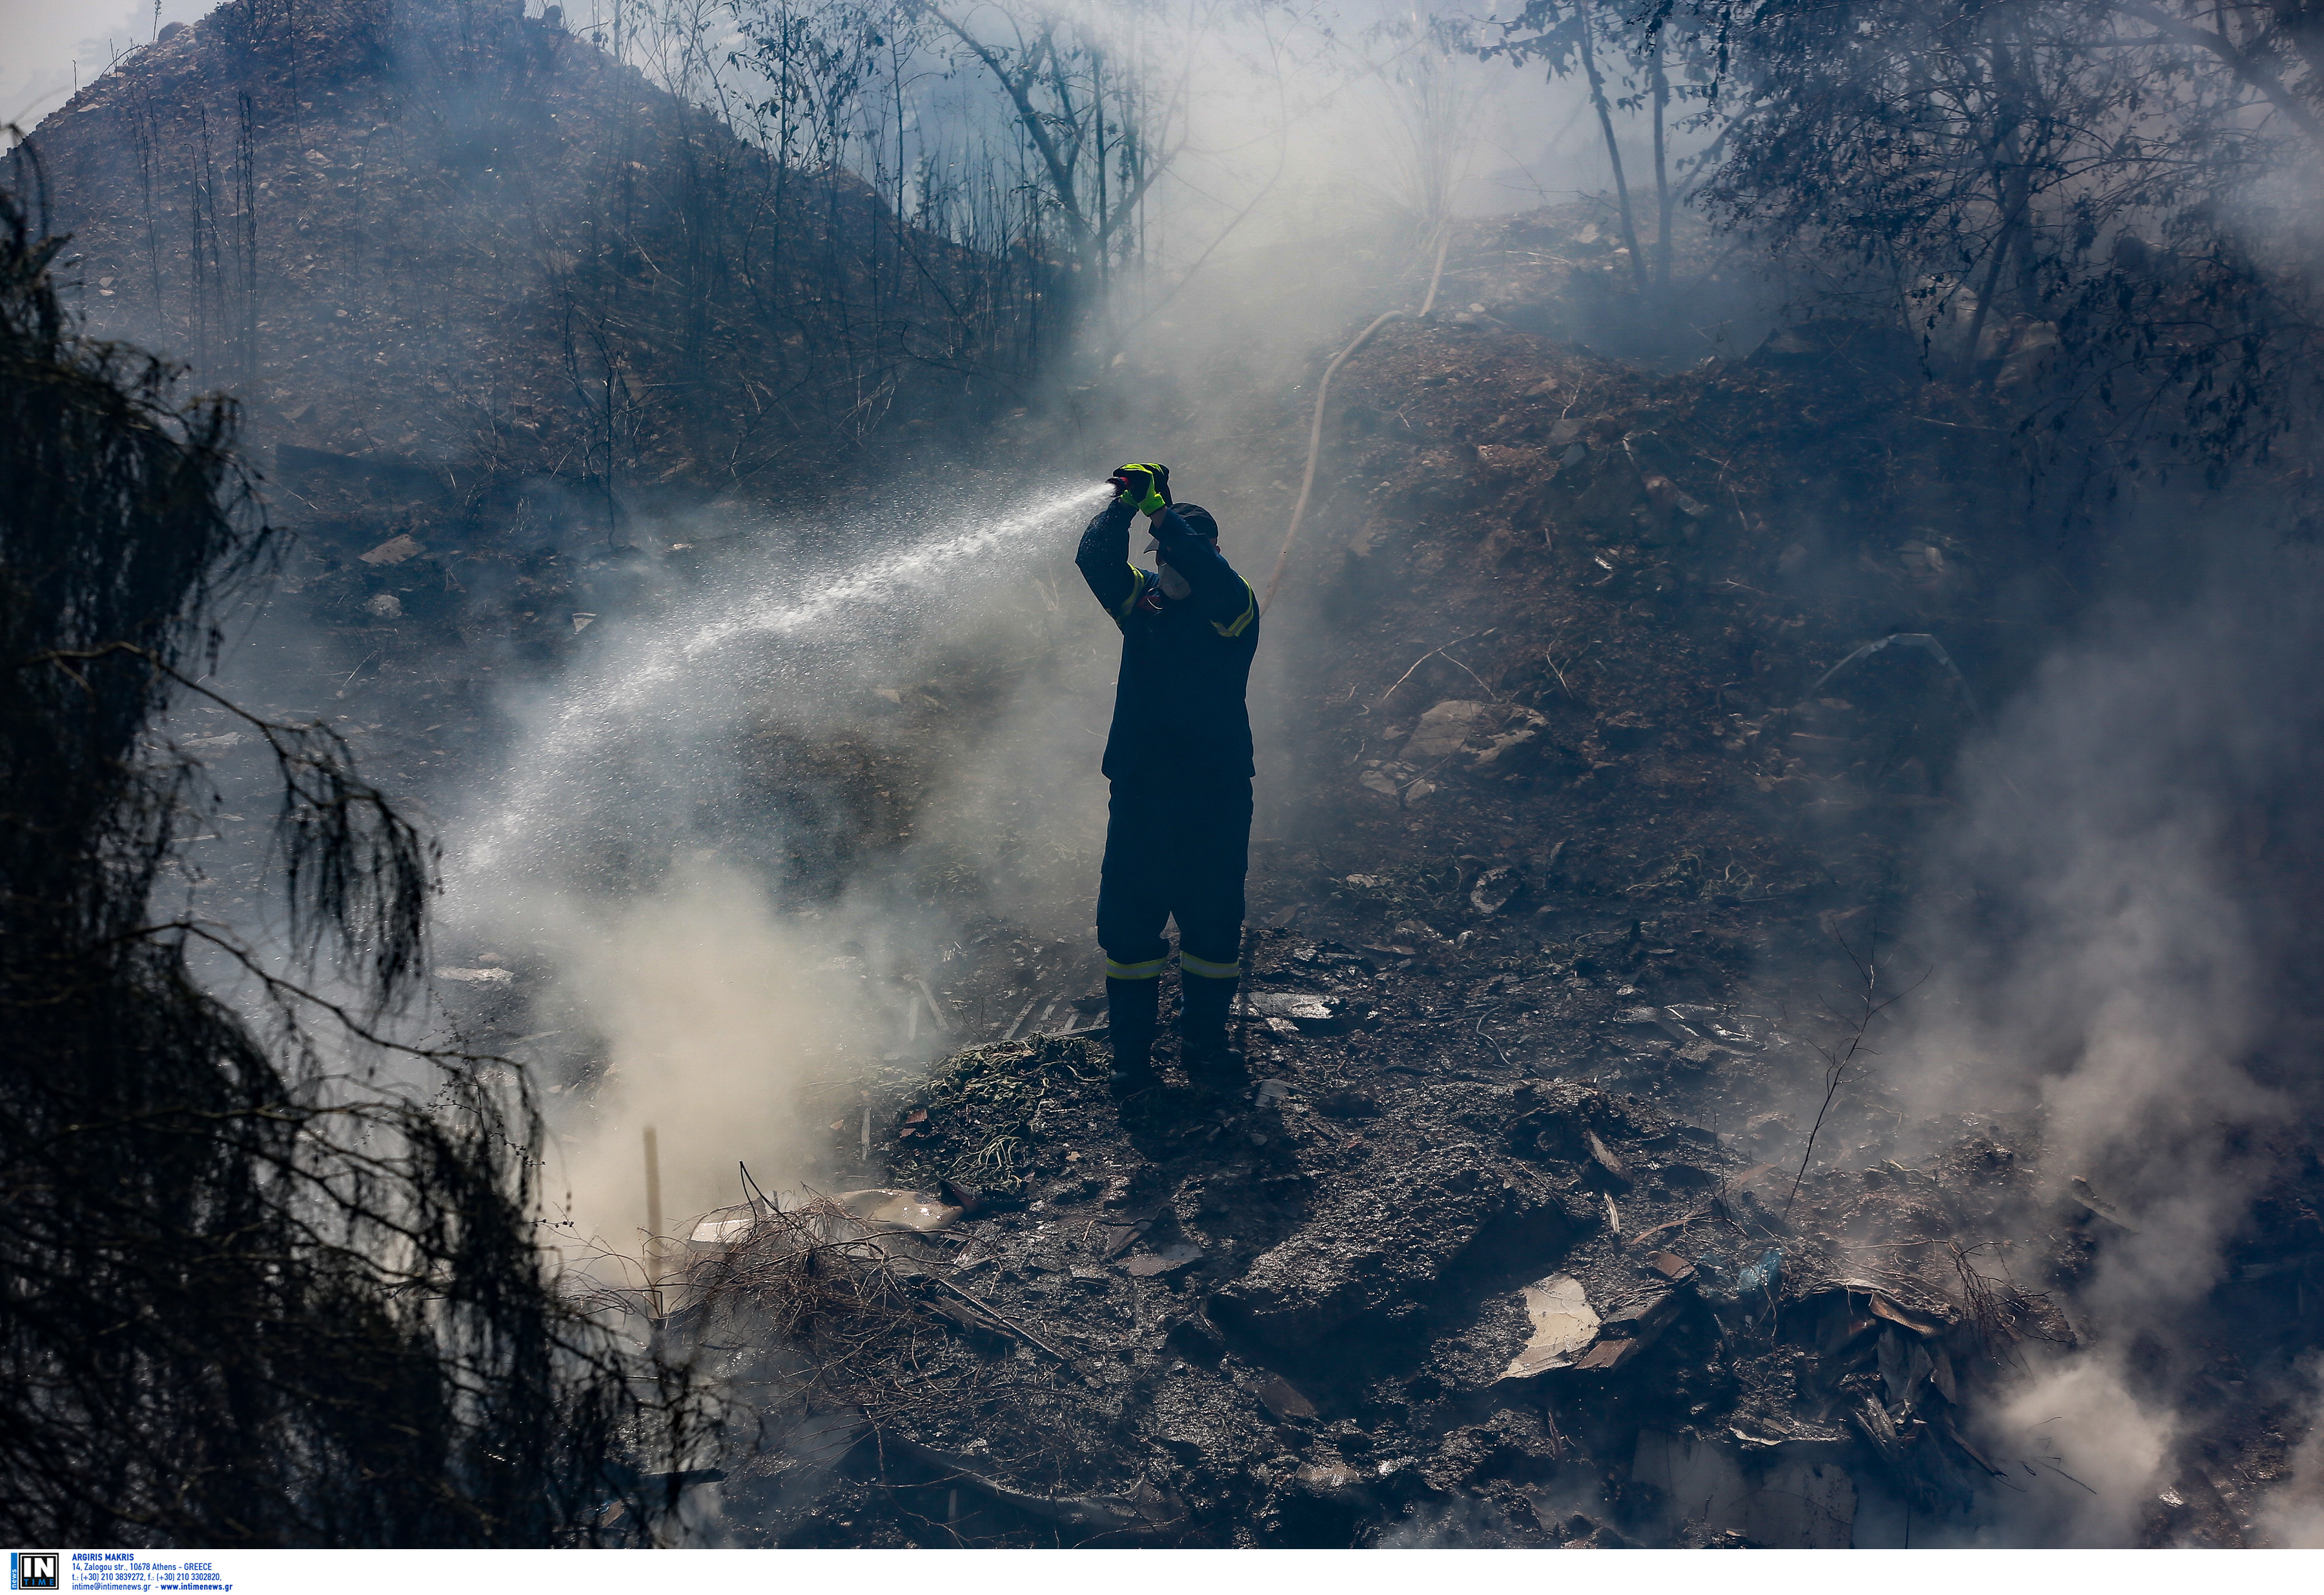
1586, 925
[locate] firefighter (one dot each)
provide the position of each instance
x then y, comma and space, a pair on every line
1177, 834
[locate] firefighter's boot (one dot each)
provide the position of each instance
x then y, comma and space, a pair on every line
1130, 1010
1203, 1045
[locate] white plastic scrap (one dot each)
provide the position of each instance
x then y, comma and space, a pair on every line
1563, 1325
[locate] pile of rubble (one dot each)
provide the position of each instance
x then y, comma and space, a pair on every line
1369, 1302
1555, 1216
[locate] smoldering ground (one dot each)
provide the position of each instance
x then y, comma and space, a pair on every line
701, 839
698, 774
2116, 938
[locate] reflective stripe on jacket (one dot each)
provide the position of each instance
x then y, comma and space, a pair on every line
1178, 709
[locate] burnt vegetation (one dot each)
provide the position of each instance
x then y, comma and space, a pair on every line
257, 1295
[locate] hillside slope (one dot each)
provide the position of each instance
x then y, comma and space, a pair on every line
456, 243
1601, 846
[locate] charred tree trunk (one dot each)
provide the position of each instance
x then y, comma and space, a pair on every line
1613, 151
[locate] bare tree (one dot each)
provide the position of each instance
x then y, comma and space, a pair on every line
1638, 45
2124, 180
258, 1292
1095, 118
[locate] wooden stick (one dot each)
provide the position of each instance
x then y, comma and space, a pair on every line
1002, 1319
653, 1222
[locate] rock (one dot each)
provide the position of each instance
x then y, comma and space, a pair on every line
1524, 728
1375, 1251
387, 607
394, 552
1169, 1260
1496, 888
884, 1211
1326, 1478
1280, 1396
1484, 731
1442, 729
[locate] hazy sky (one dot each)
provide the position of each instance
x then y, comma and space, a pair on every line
43, 44
42, 40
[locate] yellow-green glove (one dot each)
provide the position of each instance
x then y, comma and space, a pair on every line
1146, 488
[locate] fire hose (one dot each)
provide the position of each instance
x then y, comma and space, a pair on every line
1324, 393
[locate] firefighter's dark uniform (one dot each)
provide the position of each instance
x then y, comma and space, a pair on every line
1178, 835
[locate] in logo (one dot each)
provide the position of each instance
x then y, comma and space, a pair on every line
33, 1569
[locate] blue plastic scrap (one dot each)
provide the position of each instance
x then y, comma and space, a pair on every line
1763, 1275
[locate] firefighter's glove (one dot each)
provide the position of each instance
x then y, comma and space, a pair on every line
1144, 487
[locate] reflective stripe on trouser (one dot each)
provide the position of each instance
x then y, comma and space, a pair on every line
1175, 853
1151, 969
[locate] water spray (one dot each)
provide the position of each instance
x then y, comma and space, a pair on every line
624, 690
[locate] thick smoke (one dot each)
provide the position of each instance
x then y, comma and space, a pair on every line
2117, 958
609, 848
713, 1008
684, 917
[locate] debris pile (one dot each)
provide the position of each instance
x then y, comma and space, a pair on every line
1538, 1301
